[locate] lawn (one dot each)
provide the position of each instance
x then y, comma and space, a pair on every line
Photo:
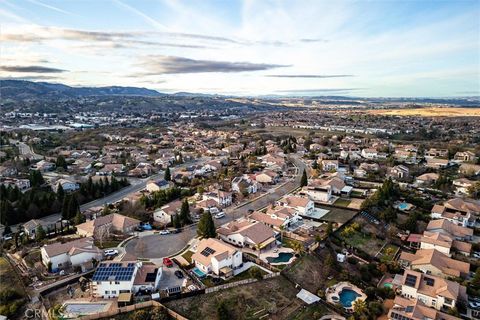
388, 252
274, 297
338, 215
342, 202
108, 243
188, 256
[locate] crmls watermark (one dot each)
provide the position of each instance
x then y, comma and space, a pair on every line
33, 314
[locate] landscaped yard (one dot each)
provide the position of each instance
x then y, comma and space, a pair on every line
363, 241
107, 243
188, 256
248, 274
388, 252
274, 297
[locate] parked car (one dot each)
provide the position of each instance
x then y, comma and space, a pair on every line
179, 274
167, 262
220, 215
111, 252
164, 232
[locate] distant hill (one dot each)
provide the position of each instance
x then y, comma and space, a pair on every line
21, 89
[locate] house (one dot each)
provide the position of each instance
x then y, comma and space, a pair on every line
267, 177
157, 185
244, 185
276, 218
370, 153
434, 262
217, 257
436, 163
469, 169
405, 309
22, 184
43, 166
434, 292
103, 226
248, 234
427, 179
303, 205
74, 253
444, 243
67, 185
462, 185
399, 172
112, 278
223, 198
49, 224
164, 214
436, 153
447, 227
460, 211
329, 165
406, 156
465, 156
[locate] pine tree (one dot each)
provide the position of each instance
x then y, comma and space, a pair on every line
61, 163
185, 213
79, 218
304, 180
168, 175
206, 226
73, 207
40, 233
176, 221
65, 207
60, 192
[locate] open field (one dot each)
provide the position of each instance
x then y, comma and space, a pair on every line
430, 112
275, 297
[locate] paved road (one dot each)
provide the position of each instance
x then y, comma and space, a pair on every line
26, 150
157, 246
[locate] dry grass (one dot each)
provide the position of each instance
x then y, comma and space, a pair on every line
430, 112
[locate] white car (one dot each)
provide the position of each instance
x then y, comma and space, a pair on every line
111, 252
164, 232
220, 215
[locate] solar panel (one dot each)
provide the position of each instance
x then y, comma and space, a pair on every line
410, 280
409, 309
429, 281
114, 272
207, 251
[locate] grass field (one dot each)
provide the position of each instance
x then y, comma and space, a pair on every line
430, 112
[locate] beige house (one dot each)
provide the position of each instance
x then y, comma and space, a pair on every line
434, 262
105, 225
248, 234
404, 309
434, 292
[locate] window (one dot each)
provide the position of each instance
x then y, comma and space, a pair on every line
114, 292
410, 280
107, 291
429, 281
448, 301
117, 282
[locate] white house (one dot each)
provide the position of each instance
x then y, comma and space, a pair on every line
114, 277
329, 165
157, 185
248, 234
67, 185
303, 205
244, 184
164, 214
71, 254
217, 257
369, 153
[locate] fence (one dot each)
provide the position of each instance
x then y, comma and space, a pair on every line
260, 262
239, 283
138, 306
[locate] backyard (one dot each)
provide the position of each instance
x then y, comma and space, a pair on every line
274, 298
12, 291
338, 215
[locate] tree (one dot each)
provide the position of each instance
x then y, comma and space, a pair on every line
304, 180
223, 311
79, 218
185, 213
60, 192
168, 175
73, 207
176, 221
40, 233
474, 190
360, 307
329, 229
206, 226
36, 178
65, 207
61, 163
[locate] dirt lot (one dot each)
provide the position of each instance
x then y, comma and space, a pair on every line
274, 297
430, 112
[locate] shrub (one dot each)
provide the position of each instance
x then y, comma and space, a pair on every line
352, 260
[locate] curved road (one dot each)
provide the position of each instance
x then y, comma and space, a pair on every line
156, 246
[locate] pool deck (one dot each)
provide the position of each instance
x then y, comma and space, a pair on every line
271, 254
334, 291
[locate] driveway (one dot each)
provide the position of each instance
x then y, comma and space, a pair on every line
158, 246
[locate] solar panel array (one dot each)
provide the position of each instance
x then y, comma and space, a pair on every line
207, 251
114, 272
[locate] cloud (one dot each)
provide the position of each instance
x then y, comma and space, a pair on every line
318, 76
308, 40
319, 91
172, 64
31, 69
30, 78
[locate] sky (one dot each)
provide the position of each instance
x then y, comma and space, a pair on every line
356, 48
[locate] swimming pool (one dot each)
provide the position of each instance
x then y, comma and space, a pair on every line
199, 273
403, 206
347, 296
283, 257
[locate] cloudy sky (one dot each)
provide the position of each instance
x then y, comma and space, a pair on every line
357, 48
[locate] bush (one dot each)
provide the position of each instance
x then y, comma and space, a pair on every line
352, 260
255, 273
8, 295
